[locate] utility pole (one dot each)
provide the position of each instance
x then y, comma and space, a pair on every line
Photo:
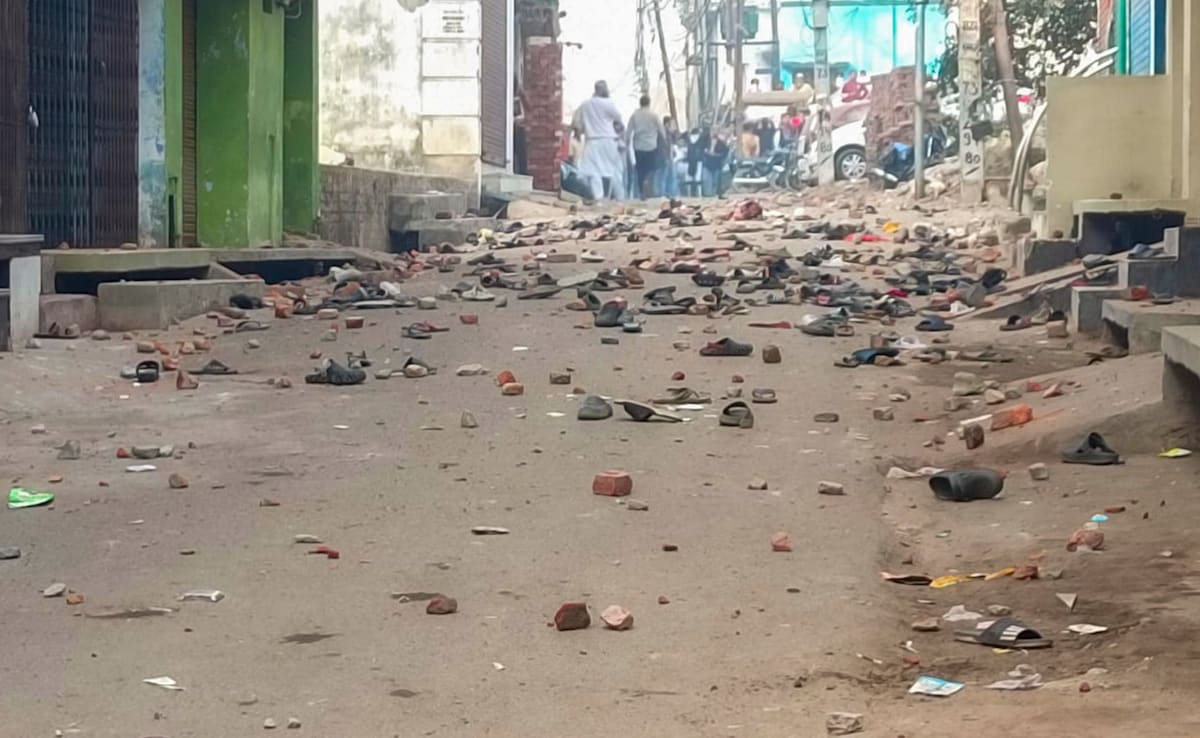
776, 53
739, 76
919, 116
970, 91
666, 60
1004, 61
821, 84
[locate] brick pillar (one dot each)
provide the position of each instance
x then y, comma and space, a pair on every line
544, 110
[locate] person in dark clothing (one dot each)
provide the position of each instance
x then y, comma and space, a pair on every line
697, 144
716, 156
766, 137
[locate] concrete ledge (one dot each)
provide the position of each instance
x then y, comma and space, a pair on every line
66, 310
250, 256
1159, 275
109, 261
127, 306
406, 208
1146, 325
1087, 303
1181, 366
434, 232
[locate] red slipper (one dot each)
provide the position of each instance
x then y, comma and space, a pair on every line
428, 328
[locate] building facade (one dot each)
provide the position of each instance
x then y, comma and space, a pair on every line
227, 121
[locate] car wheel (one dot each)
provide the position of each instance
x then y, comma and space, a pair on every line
850, 163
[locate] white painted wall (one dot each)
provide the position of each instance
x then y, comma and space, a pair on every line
371, 82
25, 289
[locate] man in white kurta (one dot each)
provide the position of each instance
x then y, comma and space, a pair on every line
598, 121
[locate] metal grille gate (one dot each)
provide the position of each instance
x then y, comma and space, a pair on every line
14, 102
83, 61
495, 82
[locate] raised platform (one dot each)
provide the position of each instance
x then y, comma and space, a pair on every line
1181, 366
128, 306
1141, 327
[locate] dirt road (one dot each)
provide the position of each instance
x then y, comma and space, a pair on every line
750, 643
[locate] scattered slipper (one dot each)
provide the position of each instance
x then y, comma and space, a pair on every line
251, 325
934, 324
610, 314
764, 396
708, 279
595, 407
683, 396
414, 331
1092, 450
727, 347
541, 292
1008, 633
478, 294
215, 368
782, 324
967, 485
737, 415
643, 413
334, 373
147, 372
1016, 323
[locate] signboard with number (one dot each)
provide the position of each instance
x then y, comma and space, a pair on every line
972, 108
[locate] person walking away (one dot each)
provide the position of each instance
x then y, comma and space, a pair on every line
766, 137
668, 175
749, 145
645, 132
715, 159
697, 144
598, 122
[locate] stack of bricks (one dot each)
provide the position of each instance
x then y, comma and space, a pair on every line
543, 110
891, 115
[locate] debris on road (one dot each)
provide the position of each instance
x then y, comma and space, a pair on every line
572, 616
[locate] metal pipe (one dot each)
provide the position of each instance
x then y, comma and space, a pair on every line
919, 113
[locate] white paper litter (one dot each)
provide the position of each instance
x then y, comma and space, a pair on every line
165, 682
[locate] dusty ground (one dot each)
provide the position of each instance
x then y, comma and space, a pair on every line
752, 643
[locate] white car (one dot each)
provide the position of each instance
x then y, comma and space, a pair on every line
850, 151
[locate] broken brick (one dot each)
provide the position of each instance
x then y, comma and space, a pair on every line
572, 616
612, 484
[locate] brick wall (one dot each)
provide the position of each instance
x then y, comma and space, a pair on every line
544, 110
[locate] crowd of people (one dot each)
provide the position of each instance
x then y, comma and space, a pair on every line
648, 156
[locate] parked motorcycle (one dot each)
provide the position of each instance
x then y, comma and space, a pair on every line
783, 169
898, 163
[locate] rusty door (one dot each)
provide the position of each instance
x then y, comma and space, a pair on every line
14, 103
495, 84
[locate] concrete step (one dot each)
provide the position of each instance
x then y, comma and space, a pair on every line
1181, 367
129, 306
1141, 327
403, 210
66, 310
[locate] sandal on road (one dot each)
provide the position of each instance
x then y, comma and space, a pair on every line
215, 368
541, 292
967, 484
727, 347
335, 374
764, 396
683, 396
1004, 633
737, 415
251, 325
1092, 450
643, 413
934, 324
610, 314
708, 279
1016, 323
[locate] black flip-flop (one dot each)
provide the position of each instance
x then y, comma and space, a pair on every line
336, 374
1016, 323
1092, 450
643, 413
1005, 633
147, 372
967, 484
247, 326
708, 279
